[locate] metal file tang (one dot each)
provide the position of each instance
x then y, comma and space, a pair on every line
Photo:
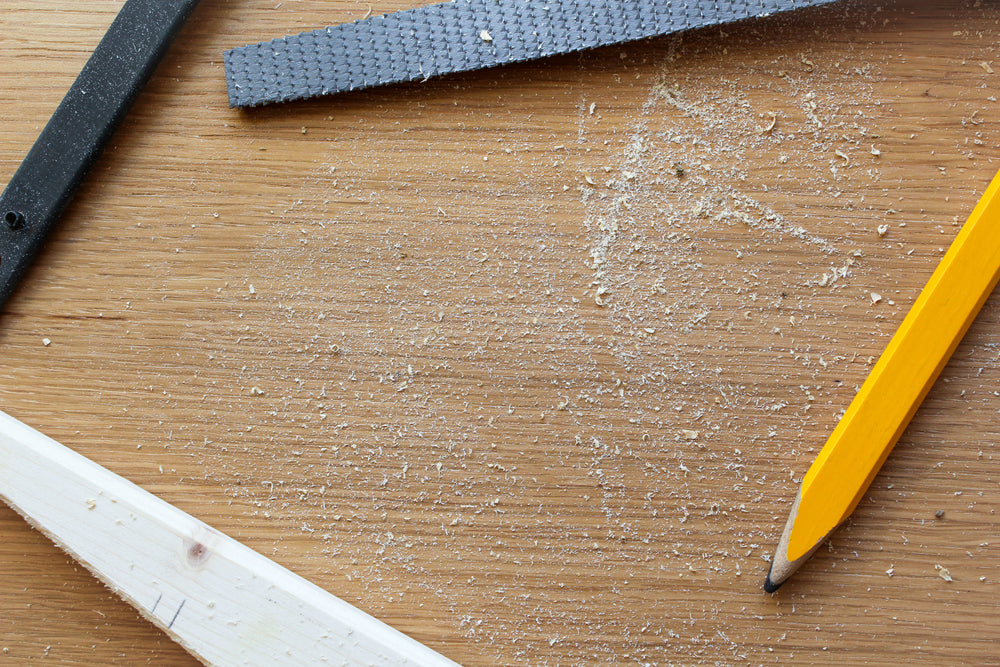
80, 127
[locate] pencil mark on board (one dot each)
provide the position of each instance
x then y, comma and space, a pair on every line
176, 614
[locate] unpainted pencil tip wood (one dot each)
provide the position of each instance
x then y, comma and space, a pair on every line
782, 568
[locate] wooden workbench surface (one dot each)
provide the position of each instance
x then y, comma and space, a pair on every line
527, 363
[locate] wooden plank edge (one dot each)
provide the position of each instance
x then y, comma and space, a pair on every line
223, 602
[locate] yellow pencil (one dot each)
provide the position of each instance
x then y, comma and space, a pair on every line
877, 416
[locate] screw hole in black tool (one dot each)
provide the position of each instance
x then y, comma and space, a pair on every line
14, 219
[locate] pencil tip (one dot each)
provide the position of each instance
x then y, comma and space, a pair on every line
770, 586
781, 568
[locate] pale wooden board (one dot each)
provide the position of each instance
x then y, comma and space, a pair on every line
223, 602
448, 227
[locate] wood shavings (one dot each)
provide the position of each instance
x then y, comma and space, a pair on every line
986, 67
770, 126
944, 573
875, 297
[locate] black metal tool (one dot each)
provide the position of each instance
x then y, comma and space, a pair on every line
80, 127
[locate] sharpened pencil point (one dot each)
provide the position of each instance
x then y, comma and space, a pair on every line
770, 586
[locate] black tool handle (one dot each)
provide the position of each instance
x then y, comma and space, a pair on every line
84, 122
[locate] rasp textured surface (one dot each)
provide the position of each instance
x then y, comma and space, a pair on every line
459, 36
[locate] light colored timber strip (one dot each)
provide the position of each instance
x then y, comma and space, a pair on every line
222, 601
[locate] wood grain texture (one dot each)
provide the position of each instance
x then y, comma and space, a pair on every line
450, 431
